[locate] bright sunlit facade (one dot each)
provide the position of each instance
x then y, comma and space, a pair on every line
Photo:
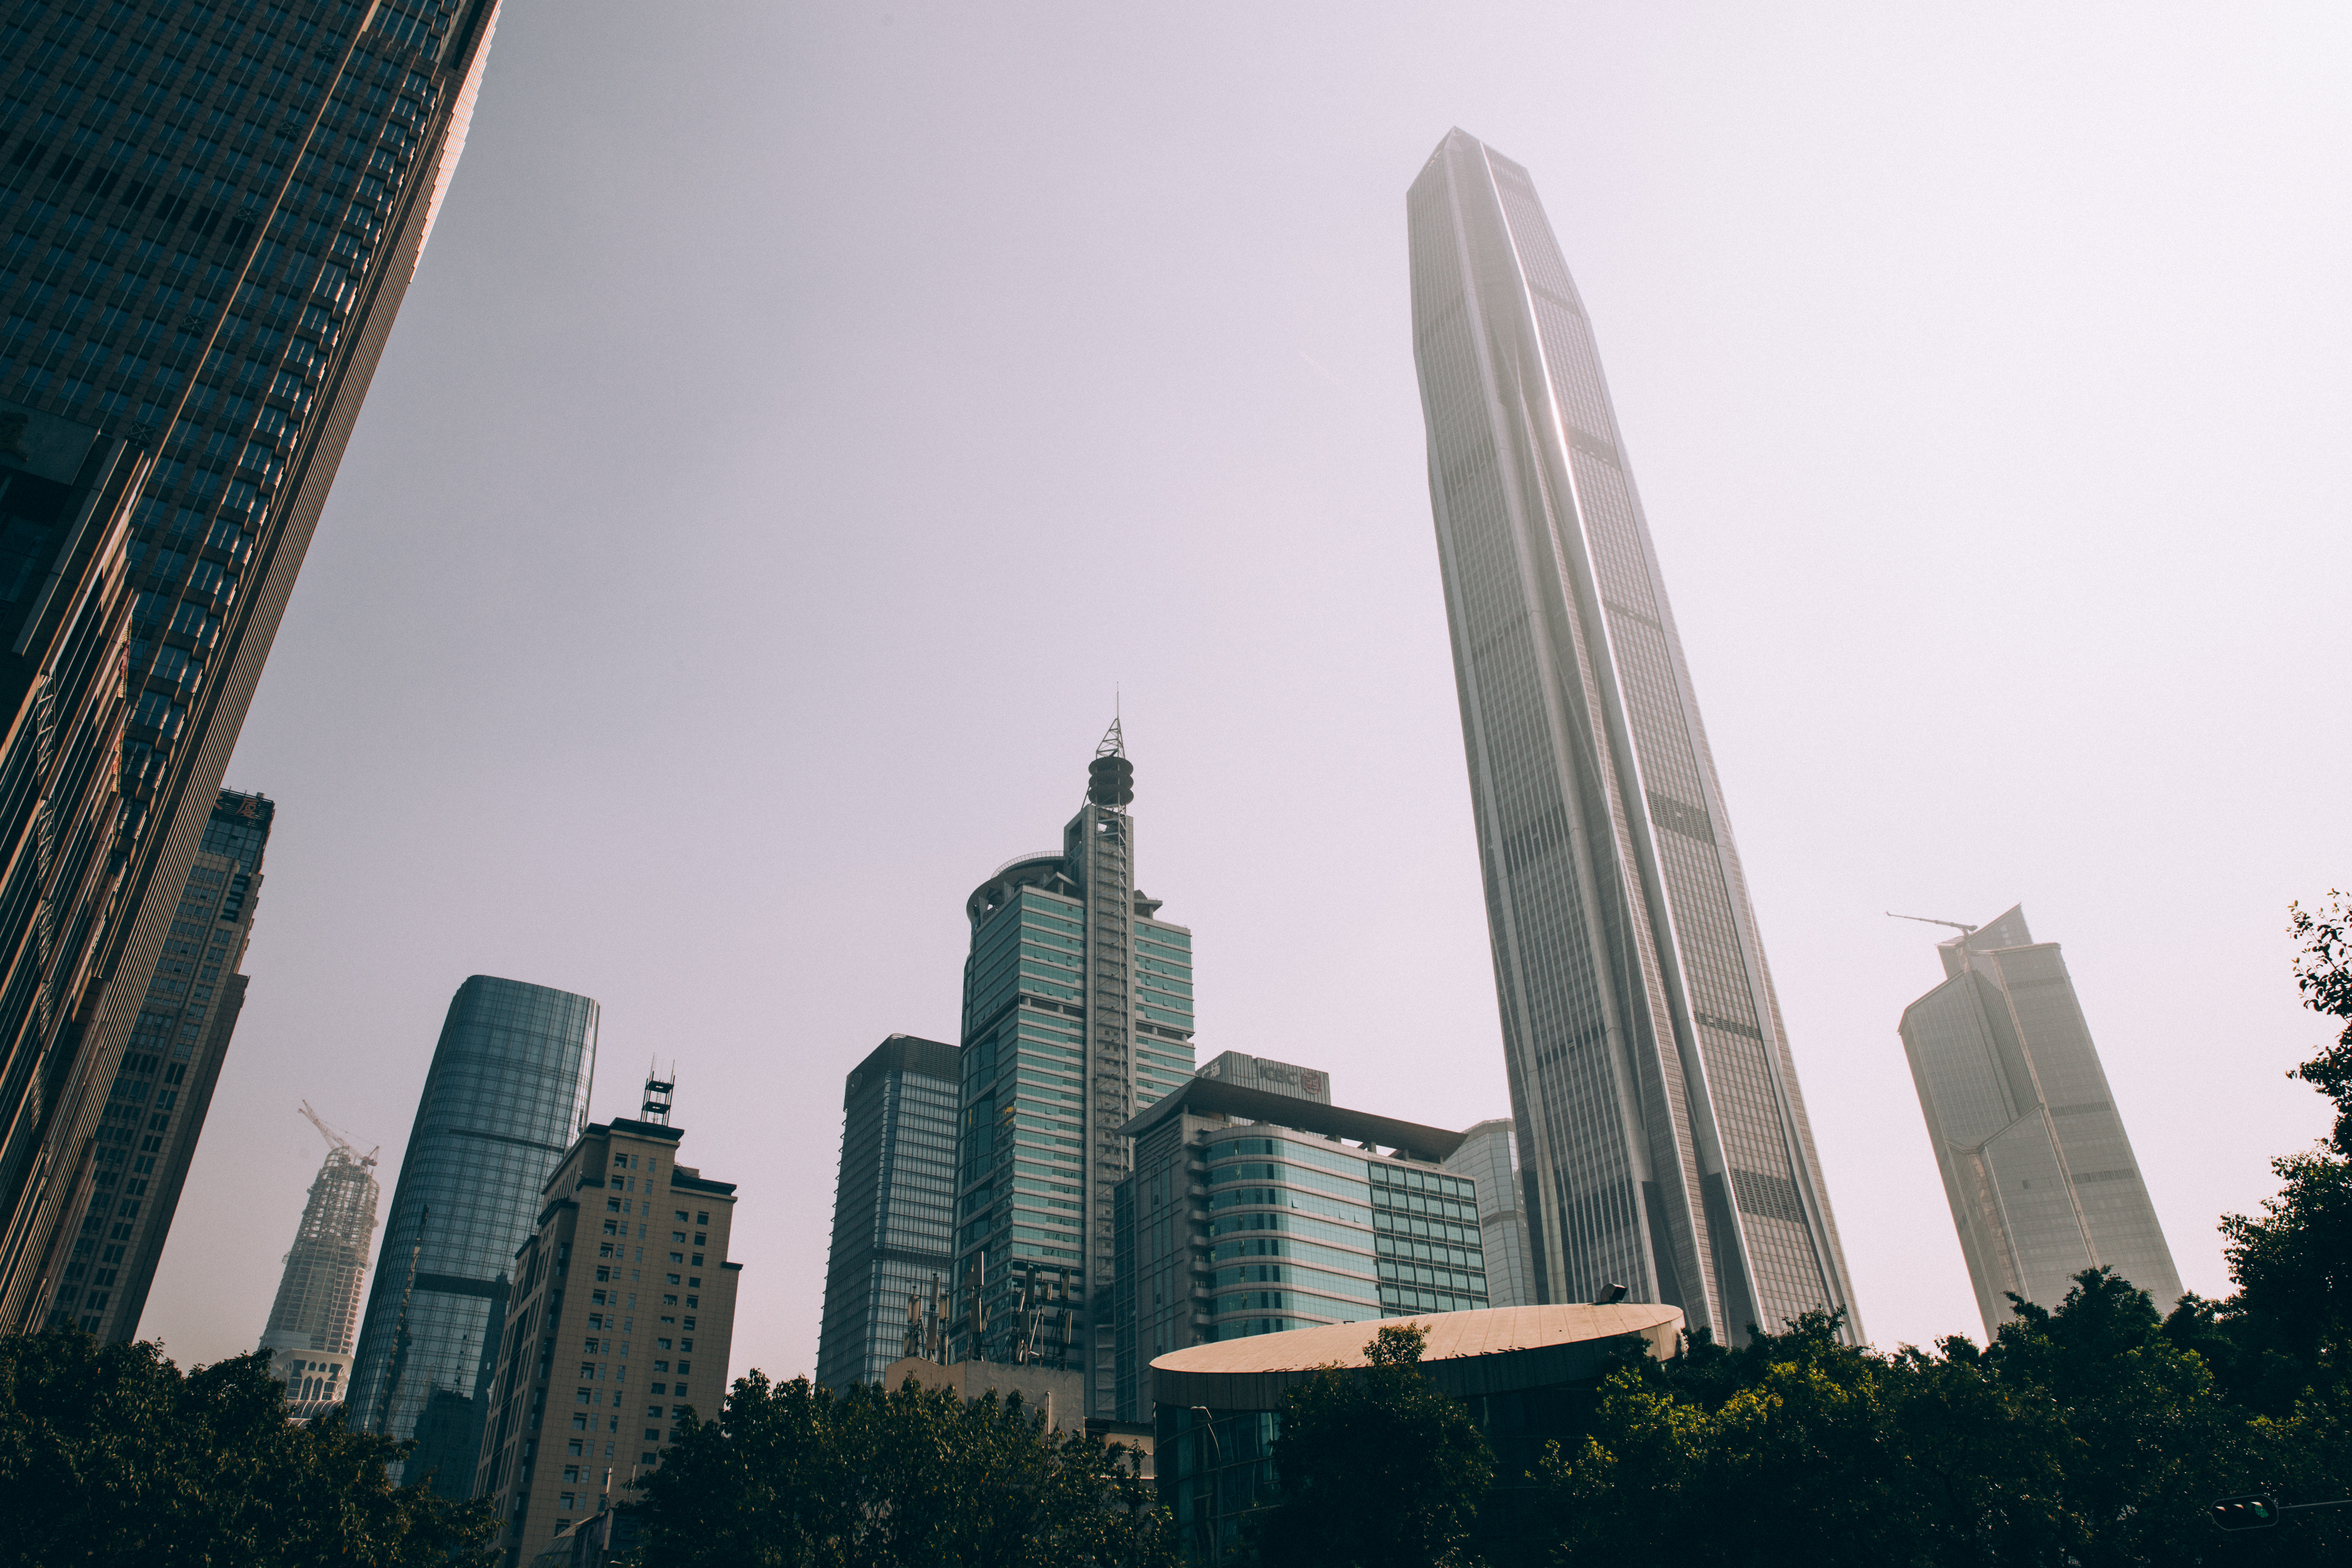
1663, 1138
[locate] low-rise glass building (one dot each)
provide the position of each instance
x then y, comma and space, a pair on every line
1254, 1212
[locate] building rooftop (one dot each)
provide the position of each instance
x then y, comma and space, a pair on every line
1216, 1097
1483, 1352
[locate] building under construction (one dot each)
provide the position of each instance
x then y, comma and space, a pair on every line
315, 1316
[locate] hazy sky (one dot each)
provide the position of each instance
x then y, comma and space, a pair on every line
805, 416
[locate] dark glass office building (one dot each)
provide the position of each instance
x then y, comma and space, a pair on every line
209, 214
1662, 1136
893, 1208
165, 1084
506, 1094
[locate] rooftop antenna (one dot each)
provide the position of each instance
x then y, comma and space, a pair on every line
658, 1093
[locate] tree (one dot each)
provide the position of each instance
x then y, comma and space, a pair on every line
1377, 1466
109, 1455
2082, 1435
2293, 1264
793, 1476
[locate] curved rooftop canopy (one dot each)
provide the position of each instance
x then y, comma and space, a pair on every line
1495, 1351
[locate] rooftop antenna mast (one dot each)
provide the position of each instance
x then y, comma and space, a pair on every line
658, 1093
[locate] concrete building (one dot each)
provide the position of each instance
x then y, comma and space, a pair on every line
1526, 1373
1489, 1156
316, 1317
572, 1424
1250, 1213
155, 1109
2036, 1165
1655, 1099
1078, 1009
213, 215
505, 1097
315, 1380
893, 1207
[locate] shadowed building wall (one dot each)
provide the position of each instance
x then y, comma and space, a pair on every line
209, 216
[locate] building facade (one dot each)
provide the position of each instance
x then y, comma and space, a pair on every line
209, 216
1489, 1156
893, 1207
155, 1109
1078, 1009
1662, 1141
506, 1096
2036, 1165
319, 1295
1249, 1213
573, 1426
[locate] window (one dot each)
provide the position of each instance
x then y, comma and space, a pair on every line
679, 1237
702, 1219
573, 1447
702, 1239
681, 1216
653, 1434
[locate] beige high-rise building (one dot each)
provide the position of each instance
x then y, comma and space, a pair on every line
2036, 1165
620, 1322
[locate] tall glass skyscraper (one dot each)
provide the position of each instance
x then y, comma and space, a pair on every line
506, 1095
209, 214
2035, 1162
1078, 1011
893, 1208
1663, 1140
1489, 1156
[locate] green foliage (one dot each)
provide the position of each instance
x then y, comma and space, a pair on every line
109, 1455
2090, 1436
793, 1476
2083, 1435
1377, 1468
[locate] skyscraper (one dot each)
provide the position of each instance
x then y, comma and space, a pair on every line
1663, 1140
318, 1304
164, 1086
507, 1093
2035, 1162
1078, 1009
1490, 1157
572, 1426
893, 1207
209, 215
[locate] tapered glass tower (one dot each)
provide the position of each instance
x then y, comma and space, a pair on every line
1662, 1141
209, 215
506, 1094
2037, 1167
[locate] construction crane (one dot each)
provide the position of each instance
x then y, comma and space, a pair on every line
1930, 921
367, 1160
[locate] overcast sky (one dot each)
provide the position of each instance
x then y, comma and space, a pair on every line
807, 416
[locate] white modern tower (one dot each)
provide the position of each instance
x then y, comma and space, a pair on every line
1662, 1141
2035, 1162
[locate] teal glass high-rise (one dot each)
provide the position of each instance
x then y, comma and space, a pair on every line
505, 1097
1663, 1140
209, 216
1078, 1011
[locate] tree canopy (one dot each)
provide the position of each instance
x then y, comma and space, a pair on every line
1377, 1468
2094, 1433
109, 1455
794, 1476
